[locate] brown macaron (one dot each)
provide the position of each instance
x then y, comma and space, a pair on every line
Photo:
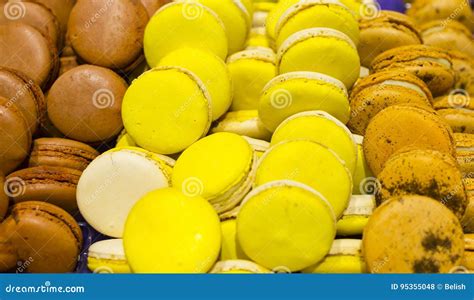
61, 153
55, 185
4, 201
8, 252
152, 6
94, 113
424, 172
60, 8
19, 41
381, 90
44, 235
465, 153
15, 136
450, 35
37, 16
412, 234
386, 31
457, 110
468, 219
67, 63
25, 94
464, 67
115, 38
430, 64
404, 126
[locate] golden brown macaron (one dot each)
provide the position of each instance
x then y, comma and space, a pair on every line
60, 8
450, 35
464, 143
432, 65
15, 136
36, 15
4, 201
468, 219
464, 67
67, 63
19, 41
56, 185
381, 90
423, 11
45, 235
424, 172
402, 126
388, 30
94, 113
457, 110
25, 94
61, 153
468, 259
113, 40
412, 234
8, 252
152, 6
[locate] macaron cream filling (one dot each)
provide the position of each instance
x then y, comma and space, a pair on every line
263, 54
360, 205
442, 61
407, 85
345, 247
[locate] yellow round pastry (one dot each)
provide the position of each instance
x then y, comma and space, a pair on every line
285, 224
275, 14
219, 167
355, 217
322, 50
167, 109
107, 256
183, 24
321, 127
125, 140
169, 232
312, 164
238, 267
295, 92
250, 71
210, 69
230, 247
362, 171
258, 39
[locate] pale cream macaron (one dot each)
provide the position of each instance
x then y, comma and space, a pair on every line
107, 256
243, 122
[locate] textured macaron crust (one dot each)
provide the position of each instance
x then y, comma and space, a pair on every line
284, 224
316, 13
401, 126
61, 153
184, 24
219, 168
424, 172
250, 71
380, 90
310, 163
164, 225
55, 185
108, 34
46, 236
432, 65
167, 109
15, 137
295, 92
387, 30
464, 143
107, 256
210, 69
450, 35
243, 122
114, 182
320, 127
321, 50
413, 234
94, 113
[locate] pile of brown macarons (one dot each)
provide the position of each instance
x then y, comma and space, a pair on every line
64, 68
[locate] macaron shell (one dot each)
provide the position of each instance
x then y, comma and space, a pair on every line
60, 8
322, 51
468, 219
238, 266
362, 170
424, 172
463, 65
4, 200
460, 120
413, 234
55, 185
274, 16
230, 246
113, 183
312, 164
450, 36
304, 215
339, 264
163, 226
170, 29
401, 126
244, 122
47, 236
107, 256
160, 125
